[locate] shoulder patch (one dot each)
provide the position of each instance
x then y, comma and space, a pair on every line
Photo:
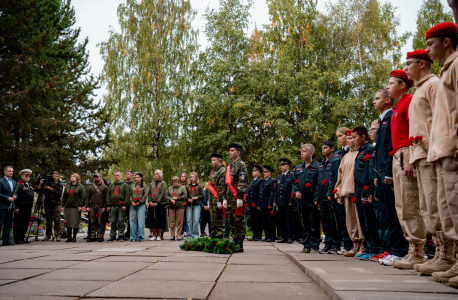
242, 177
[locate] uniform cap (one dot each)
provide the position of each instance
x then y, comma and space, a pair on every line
97, 175
26, 172
268, 168
402, 75
420, 54
441, 29
348, 132
285, 161
257, 167
217, 155
236, 146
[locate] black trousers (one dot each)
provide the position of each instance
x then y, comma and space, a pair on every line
341, 217
368, 222
332, 238
256, 222
127, 234
297, 223
204, 220
21, 222
286, 221
268, 223
393, 236
6, 220
311, 222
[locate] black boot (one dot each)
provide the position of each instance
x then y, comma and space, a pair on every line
240, 243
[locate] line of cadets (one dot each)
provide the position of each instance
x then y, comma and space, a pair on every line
380, 198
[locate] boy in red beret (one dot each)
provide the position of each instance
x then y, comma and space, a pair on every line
418, 67
441, 42
404, 182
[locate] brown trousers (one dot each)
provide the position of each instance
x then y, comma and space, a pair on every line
53, 214
427, 190
97, 223
352, 220
447, 196
176, 221
406, 200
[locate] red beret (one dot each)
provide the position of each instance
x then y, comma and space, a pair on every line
402, 75
442, 29
420, 54
348, 132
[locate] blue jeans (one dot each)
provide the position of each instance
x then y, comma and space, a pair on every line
137, 222
192, 220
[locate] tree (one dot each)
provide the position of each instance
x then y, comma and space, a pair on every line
147, 70
431, 13
48, 119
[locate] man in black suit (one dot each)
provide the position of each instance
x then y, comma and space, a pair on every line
7, 205
285, 201
265, 202
252, 197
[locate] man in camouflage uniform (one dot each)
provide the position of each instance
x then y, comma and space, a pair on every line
234, 205
217, 181
96, 205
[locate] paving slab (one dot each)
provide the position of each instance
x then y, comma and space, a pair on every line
38, 287
111, 265
355, 267
202, 253
152, 275
121, 249
147, 259
87, 274
253, 259
8, 257
262, 291
161, 289
27, 297
263, 273
37, 264
9, 274
70, 257
320, 257
365, 295
3, 281
197, 267
183, 257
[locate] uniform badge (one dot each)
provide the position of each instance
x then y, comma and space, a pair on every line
337, 155
384, 123
362, 153
278, 181
242, 177
328, 164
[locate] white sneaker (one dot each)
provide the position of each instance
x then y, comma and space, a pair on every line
184, 234
158, 238
389, 259
340, 252
153, 238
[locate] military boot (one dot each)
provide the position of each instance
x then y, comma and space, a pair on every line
354, 251
453, 281
240, 243
415, 256
436, 257
450, 273
446, 256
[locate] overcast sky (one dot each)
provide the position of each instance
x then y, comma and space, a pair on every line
94, 17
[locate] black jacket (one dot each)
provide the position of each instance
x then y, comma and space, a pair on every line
383, 160
335, 164
284, 193
304, 177
324, 174
361, 171
25, 195
267, 193
252, 195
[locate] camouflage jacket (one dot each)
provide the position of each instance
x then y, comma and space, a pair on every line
219, 183
239, 178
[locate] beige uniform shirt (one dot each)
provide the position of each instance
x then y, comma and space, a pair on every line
345, 185
421, 114
444, 139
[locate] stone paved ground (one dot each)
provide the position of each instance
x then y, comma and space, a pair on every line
160, 270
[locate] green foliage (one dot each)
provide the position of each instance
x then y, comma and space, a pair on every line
431, 13
146, 70
48, 119
209, 245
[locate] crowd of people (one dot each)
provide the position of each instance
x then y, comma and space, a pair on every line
375, 199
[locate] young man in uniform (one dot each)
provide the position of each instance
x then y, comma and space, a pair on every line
304, 189
252, 197
393, 235
366, 213
265, 202
284, 200
441, 42
117, 196
129, 181
405, 184
24, 202
418, 68
333, 239
96, 197
217, 188
236, 187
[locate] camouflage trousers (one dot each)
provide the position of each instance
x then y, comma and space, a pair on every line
97, 223
217, 219
236, 223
